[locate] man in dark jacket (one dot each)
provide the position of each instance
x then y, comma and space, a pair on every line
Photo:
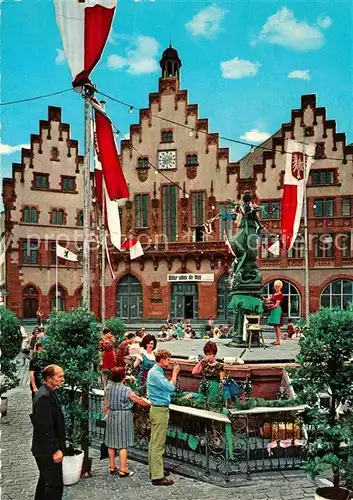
48, 443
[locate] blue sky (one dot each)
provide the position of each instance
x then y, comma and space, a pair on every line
245, 63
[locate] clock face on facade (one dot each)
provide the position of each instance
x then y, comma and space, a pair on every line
167, 159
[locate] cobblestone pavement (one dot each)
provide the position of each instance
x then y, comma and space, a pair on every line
19, 472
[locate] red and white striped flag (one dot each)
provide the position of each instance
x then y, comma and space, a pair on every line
299, 158
111, 215
84, 27
108, 155
134, 246
228, 245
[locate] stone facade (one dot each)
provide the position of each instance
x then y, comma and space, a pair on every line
168, 220
43, 203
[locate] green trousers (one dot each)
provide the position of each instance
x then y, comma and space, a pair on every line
159, 417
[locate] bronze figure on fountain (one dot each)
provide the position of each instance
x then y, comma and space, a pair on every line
245, 278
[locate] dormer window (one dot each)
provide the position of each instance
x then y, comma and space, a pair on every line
167, 135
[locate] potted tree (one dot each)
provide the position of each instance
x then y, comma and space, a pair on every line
325, 366
10, 345
117, 328
72, 344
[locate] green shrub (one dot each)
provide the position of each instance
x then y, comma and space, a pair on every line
72, 344
10, 345
325, 354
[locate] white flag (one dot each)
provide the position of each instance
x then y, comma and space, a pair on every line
274, 248
136, 251
64, 253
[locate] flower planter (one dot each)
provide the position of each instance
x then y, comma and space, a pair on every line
3, 406
72, 467
332, 494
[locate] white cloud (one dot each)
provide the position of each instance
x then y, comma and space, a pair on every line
254, 135
60, 56
324, 21
6, 149
207, 22
284, 29
300, 74
238, 68
116, 62
141, 59
114, 37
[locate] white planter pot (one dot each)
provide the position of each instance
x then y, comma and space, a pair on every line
3, 406
329, 493
72, 467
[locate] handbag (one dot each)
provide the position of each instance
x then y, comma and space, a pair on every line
104, 449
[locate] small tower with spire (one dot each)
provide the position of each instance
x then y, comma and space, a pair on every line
170, 63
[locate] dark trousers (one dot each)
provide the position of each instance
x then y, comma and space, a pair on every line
50, 483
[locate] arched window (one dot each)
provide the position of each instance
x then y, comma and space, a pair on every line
222, 297
291, 302
61, 299
338, 293
30, 215
129, 298
57, 217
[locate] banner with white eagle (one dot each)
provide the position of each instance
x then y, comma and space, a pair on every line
298, 160
84, 26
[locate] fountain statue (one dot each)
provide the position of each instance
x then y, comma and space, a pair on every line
245, 282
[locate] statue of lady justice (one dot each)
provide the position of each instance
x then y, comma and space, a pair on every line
244, 269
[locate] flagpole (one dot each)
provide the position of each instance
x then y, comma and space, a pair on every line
306, 239
103, 256
56, 281
87, 200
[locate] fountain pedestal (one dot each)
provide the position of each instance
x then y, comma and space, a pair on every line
245, 300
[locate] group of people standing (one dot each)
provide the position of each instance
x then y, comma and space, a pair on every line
156, 390
48, 445
118, 402
119, 399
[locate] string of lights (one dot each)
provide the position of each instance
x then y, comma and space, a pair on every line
133, 108
42, 96
186, 193
192, 130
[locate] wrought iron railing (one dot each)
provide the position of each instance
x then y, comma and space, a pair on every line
235, 444
270, 438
